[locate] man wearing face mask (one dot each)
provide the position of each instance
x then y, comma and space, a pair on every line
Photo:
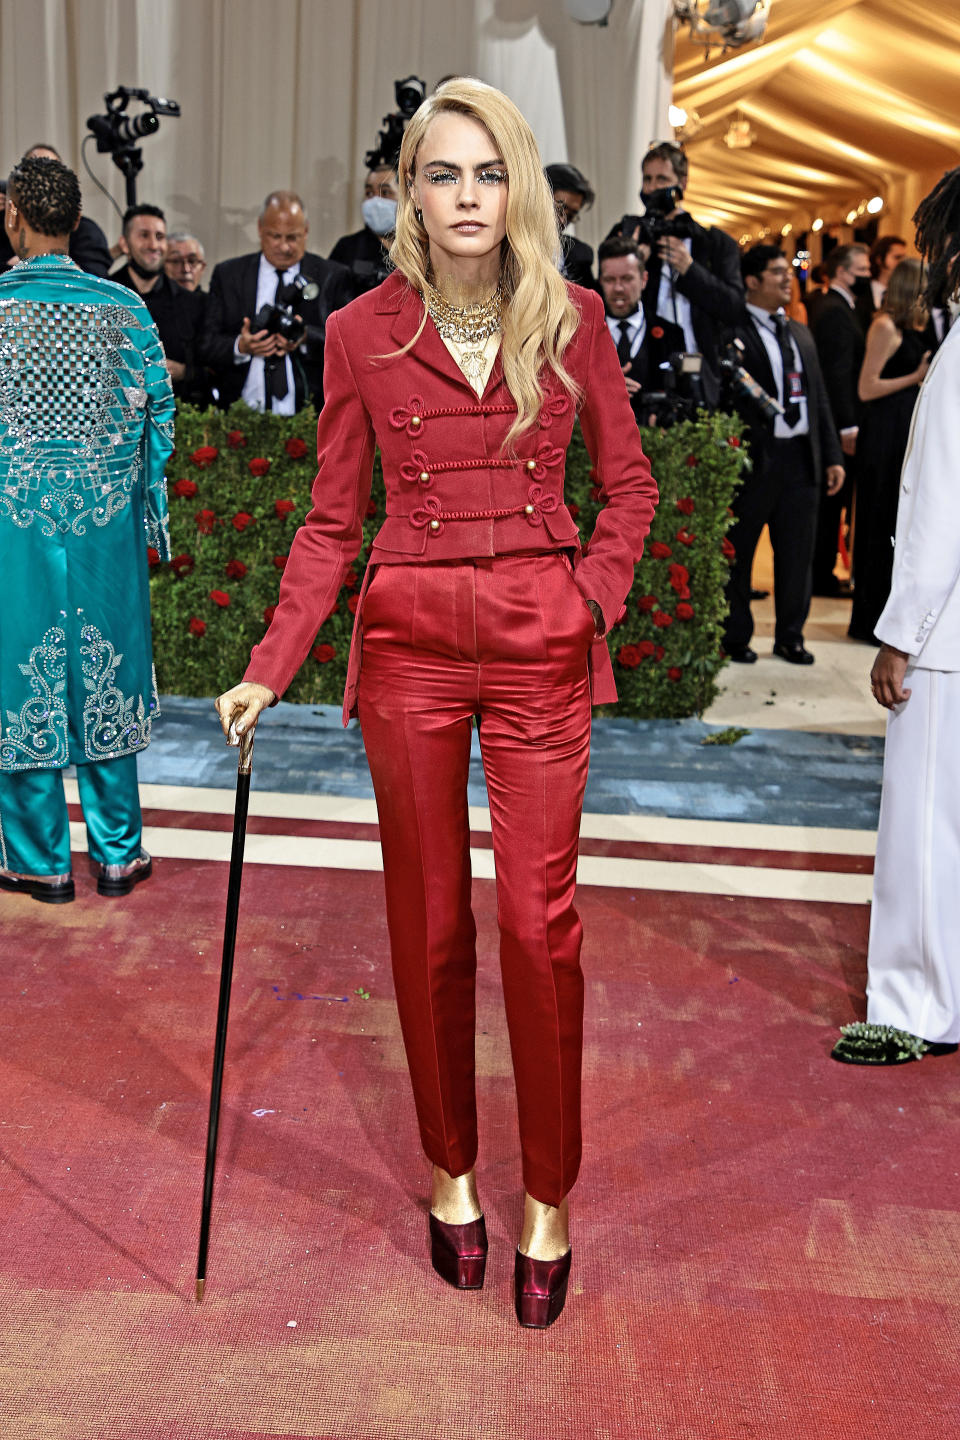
840, 340
364, 253
572, 194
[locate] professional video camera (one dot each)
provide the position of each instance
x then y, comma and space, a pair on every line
409, 95
741, 382
281, 318
116, 132
680, 395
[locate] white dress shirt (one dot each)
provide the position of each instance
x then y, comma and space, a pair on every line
673, 306
767, 329
636, 329
253, 389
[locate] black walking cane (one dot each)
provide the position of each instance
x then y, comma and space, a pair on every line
244, 764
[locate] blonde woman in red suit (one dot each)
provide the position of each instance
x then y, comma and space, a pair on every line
468, 367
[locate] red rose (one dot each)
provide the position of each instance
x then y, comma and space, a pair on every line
595, 492
574, 509
323, 653
661, 619
235, 569
629, 656
269, 613
657, 332
371, 510
646, 603
352, 602
679, 575
236, 439
350, 579
727, 547
280, 561
182, 565
241, 520
153, 556
658, 652
734, 441
204, 456
259, 465
692, 460
185, 488
283, 507
220, 597
197, 627
659, 551
646, 648
685, 536
684, 611
295, 448
674, 673
685, 506
206, 520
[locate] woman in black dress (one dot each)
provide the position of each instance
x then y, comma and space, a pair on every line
894, 365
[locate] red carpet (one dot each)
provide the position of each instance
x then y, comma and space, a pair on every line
765, 1243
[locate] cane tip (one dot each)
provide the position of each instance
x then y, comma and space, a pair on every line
200, 1285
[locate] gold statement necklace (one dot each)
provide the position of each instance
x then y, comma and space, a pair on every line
469, 327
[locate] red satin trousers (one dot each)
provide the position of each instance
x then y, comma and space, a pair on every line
505, 639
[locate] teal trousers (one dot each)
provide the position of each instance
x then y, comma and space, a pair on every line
35, 827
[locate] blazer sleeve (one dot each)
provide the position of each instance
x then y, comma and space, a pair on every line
330, 537
818, 409
716, 287
837, 352
926, 558
221, 327
605, 571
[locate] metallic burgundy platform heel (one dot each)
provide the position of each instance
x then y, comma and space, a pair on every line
459, 1252
540, 1289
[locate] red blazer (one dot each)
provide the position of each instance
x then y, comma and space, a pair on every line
451, 493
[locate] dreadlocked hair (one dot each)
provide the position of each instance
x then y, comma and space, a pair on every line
47, 194
938, 239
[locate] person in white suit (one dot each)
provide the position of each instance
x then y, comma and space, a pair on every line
913, 959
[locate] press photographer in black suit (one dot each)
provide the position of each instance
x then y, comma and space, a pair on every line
795, 457
694, 274
642, 349
271, 371
572, 194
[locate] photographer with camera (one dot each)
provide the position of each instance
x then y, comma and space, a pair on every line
777, 387
694, 273
364, 253
645, 352
267, 314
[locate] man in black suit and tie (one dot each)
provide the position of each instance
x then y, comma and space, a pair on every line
267, 370
794, 457
838, 330
694, 278
641, 348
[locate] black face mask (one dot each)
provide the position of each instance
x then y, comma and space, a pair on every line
861, 288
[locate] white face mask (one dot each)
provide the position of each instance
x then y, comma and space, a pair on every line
379, 214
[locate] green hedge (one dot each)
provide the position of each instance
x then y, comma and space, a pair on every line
239, 485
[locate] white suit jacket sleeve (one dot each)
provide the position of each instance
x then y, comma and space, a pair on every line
926, 564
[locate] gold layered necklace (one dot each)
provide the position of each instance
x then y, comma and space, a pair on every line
468, 327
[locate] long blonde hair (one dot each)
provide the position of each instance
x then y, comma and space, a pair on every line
539, 318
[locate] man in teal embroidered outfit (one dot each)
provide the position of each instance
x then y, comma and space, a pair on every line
86, 427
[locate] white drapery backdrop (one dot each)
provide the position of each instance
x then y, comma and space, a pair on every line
291, 94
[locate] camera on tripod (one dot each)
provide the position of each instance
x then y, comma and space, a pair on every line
680, 395
282, 318
117, 133
409, 95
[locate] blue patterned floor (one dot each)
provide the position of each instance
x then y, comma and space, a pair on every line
645, 767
